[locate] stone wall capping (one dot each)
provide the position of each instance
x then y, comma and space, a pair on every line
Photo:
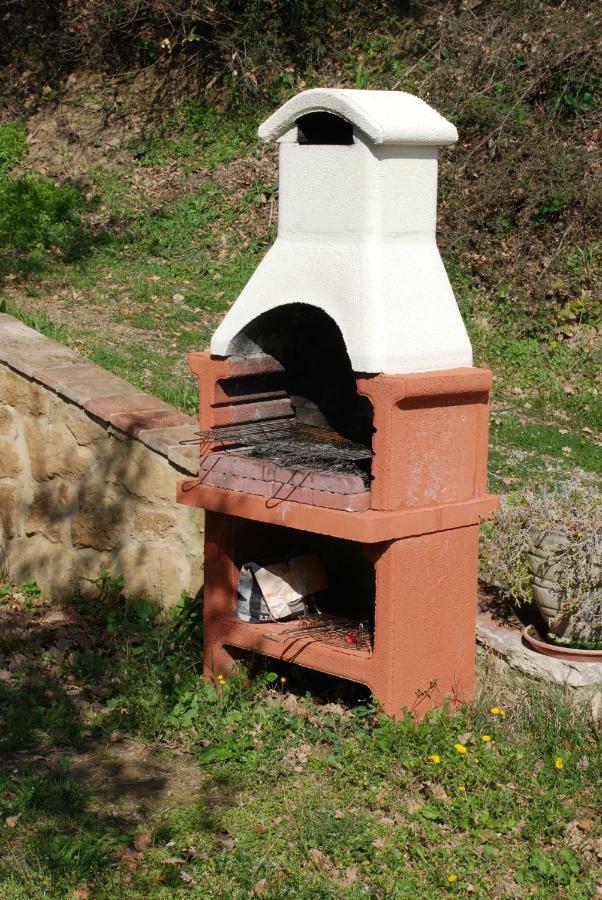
135, 423
134, 401
163, 439
24, 349
88, 471
26, 357
81, 381
185, 457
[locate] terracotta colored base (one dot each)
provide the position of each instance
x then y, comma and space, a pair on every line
534, 640
369, 526
427, 496
425, 609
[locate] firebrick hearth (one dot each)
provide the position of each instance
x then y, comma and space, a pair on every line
341, 416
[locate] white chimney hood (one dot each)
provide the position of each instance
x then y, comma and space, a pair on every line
356, 231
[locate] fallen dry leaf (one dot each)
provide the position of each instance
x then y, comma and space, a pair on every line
260, 887
142, 840
414, 805
379, 843
13, 821
225, 839
320, 860
435, 791
269, 825
82, 892
130, 860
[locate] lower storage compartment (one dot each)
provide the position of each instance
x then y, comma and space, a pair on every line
342, 614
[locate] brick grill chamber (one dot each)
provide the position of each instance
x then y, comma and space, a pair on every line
340, 414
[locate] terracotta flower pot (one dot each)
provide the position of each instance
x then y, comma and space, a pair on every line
571, 654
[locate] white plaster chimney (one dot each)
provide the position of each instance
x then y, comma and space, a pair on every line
356, 231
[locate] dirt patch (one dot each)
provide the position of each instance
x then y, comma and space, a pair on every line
93, 123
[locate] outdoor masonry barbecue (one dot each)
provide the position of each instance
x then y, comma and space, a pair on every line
341, 416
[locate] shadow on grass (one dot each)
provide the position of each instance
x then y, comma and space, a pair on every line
74, 792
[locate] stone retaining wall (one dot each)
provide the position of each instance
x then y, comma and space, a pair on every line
88, 471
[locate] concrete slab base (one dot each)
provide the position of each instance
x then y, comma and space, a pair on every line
585, 678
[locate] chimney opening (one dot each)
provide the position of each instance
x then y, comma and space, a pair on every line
324, 128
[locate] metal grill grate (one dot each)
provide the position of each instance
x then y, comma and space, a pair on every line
348, 634
292, 444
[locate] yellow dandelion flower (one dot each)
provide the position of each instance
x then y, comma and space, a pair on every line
461, 788
496, 711
221, 679
435, 758
460, 748
283, 680
559, 762
486, 738
452, 878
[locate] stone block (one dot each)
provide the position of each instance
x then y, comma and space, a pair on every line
141, 472
7, 418
47, 562
156, 570
54, 451
84, 429
163, 439
105, 408
11, 460
81, 381
25, 349
12, 513
102, 518
86, 566
153, 522
53, 505
26, 396
185, 458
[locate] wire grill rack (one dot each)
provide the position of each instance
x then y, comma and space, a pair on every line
290, 443
348, 634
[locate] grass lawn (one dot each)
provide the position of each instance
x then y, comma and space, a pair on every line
125, 775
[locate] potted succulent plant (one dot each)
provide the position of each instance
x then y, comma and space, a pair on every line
548, 548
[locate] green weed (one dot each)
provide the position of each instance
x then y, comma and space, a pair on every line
39, 219
13, 146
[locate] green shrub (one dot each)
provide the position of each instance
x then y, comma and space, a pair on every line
37, 216
12, 146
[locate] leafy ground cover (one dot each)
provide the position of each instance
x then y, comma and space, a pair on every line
125, 775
